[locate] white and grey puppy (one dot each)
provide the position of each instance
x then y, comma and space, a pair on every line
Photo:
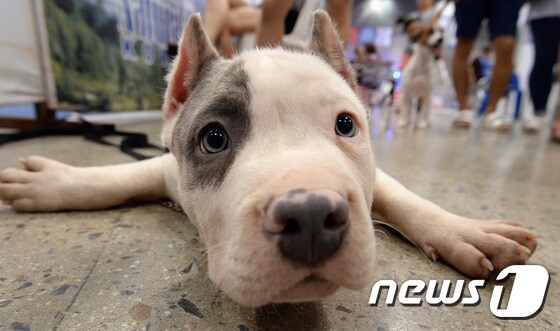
417, 79
271, 160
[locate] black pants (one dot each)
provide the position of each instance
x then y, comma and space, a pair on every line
546, 36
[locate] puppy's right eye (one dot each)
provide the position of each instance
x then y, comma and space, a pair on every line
214, 140
345, 126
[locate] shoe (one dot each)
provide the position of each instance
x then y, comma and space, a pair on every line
464, 119
497, 121
533, 124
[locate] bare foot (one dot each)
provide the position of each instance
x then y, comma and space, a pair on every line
46, 185
479, 248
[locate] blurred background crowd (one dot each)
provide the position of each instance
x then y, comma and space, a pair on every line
497, 59
493, 62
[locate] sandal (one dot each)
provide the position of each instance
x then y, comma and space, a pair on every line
497, 121
533, 124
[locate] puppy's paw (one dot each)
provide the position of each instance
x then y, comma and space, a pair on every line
35, 186
480, 248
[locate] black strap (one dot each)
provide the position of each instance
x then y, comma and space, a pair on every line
46, 129
128, 144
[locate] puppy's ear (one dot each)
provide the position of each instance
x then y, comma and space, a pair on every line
325, 43
195, 52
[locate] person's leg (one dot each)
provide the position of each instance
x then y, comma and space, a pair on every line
222, 18
271, 29
341, 13
556, 125
504, 47
243, 19
546, 40
502, 22
469, 15
460, 71
225, 44
556, 121
239, 20
214, 18
237, 3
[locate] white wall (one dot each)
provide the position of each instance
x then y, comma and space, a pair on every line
24, 63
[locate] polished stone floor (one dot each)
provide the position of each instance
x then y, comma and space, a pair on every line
142, 267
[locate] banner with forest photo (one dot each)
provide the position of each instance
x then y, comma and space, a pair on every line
112, 55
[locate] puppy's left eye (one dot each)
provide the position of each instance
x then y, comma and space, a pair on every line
345, 126
214, 140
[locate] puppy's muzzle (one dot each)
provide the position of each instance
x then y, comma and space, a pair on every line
308, 225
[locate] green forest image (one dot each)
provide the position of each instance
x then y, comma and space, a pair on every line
89, 70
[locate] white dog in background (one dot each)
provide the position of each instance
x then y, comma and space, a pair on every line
417, 78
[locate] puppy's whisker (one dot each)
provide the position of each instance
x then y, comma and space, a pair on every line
403, 235
381, 241
204, 257
383, 233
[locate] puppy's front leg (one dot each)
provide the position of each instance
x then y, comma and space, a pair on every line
424, 115
47, 185
406, 108
474, 247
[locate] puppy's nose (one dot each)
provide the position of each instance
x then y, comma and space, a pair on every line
309, 225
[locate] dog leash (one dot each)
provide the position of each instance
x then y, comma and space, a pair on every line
128, 145
46, 129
